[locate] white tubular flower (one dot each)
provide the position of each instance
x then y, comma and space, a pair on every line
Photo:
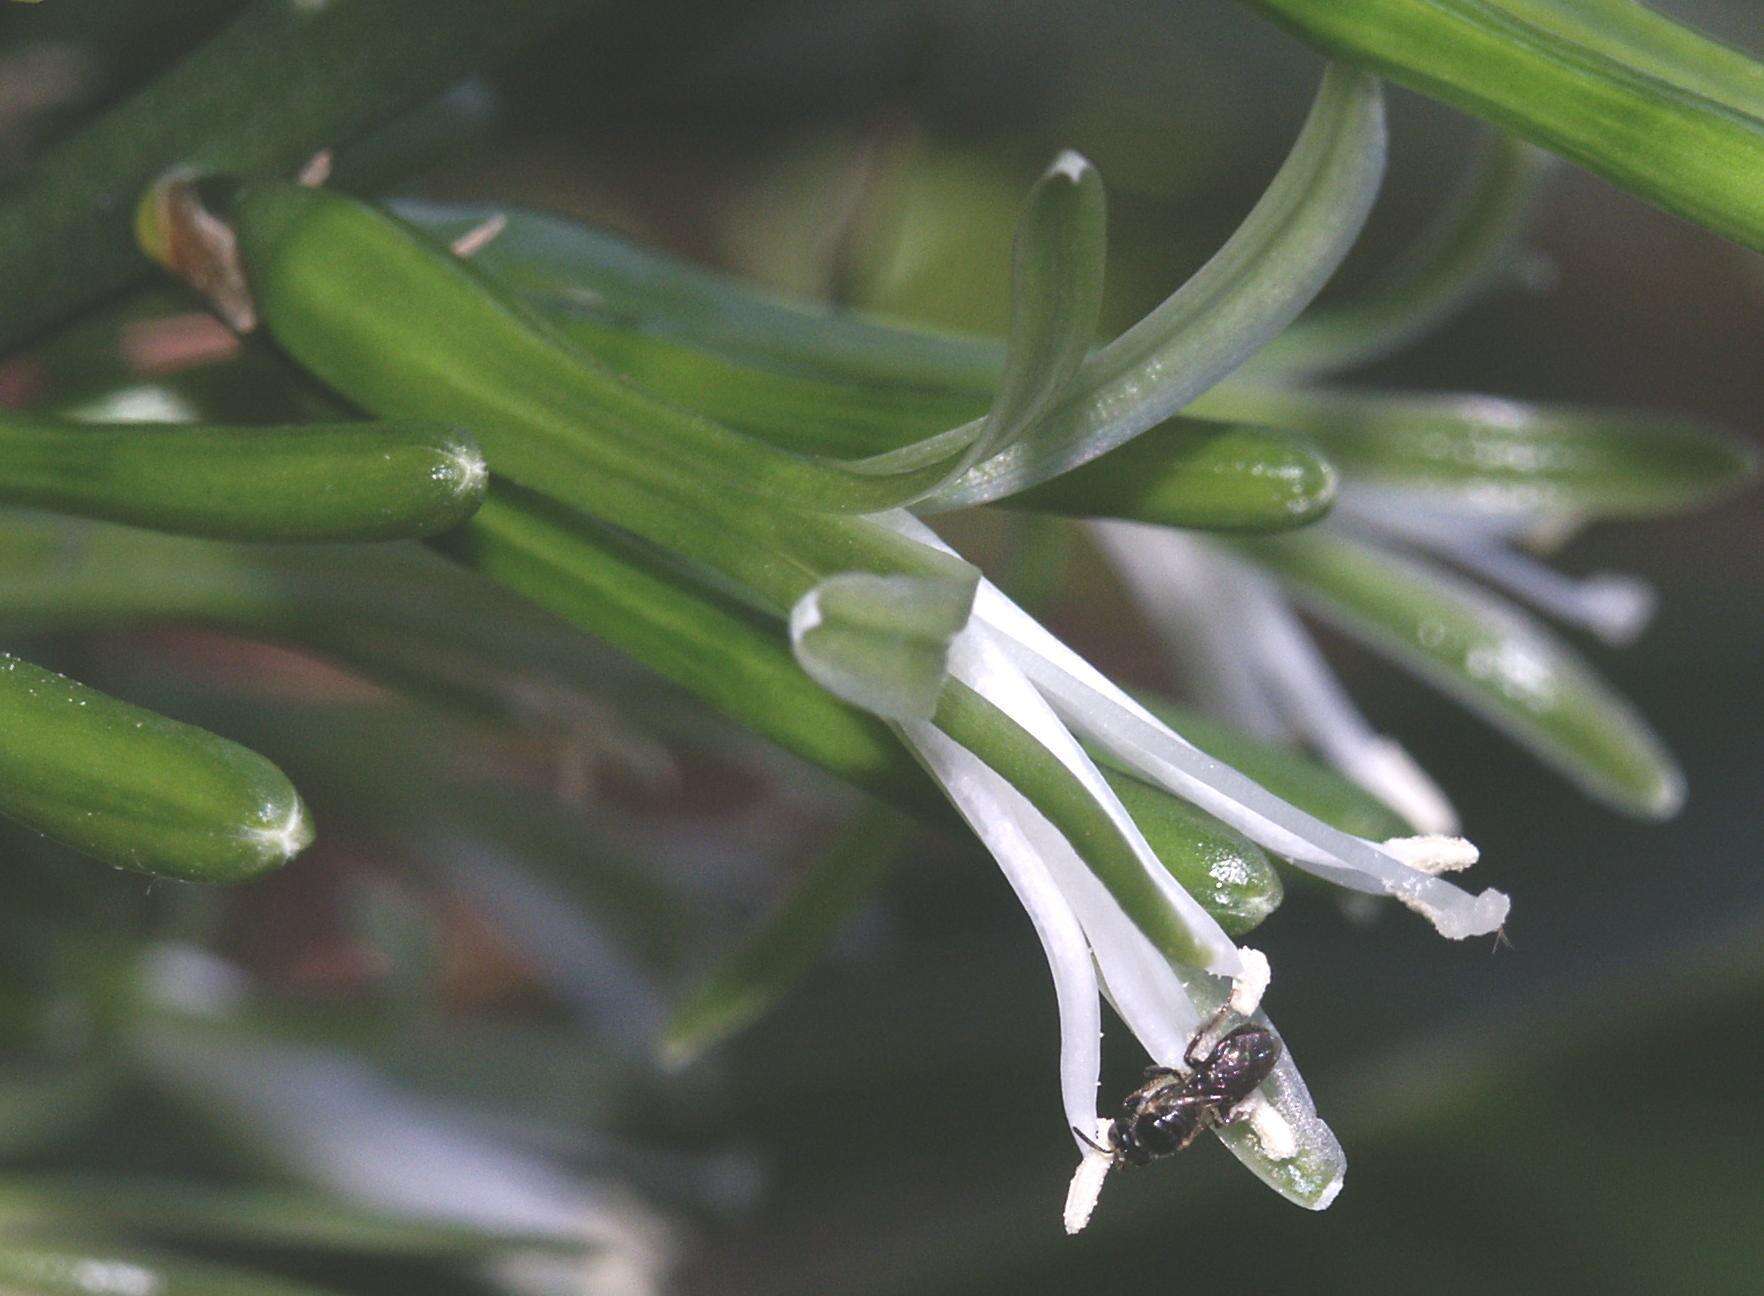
1093, 944
1226, 623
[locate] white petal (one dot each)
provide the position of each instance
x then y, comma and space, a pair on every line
994, 810
1102, 712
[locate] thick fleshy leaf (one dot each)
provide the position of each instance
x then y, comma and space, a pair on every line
1580, 86
1192, 473
778, 953
1056, 299
136, 789
408, 331
313, 482
1472, 244
1268, 272
1503, 456
1642, 38
1489, 655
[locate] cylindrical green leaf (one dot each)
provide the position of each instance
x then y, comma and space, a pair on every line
1505, 456
407, 331
1191, 473
742, 665
352, 481
137, 790
1604, 108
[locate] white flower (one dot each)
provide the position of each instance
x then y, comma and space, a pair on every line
1093, 946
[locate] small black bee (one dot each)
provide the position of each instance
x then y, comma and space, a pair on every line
1169, 1111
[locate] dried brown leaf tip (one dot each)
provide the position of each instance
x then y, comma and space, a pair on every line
176, 230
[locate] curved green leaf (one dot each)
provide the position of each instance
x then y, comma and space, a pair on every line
277, 84
1269, 270
1597, 101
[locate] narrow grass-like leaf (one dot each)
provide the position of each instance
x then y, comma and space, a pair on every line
1474, 242
277, 84
1598, 102
1194, 473
137, 790
359, 481
1502, 456
1267, 273
1489, 655
770, 960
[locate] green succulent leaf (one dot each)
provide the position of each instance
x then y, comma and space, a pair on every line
569, 271
137, 790
313, 482
1269, 270
742, 666
407, 331
1665, 115
1481, 650
1504, 456
1195, 473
